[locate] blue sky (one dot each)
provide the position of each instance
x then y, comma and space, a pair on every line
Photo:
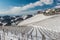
25, 6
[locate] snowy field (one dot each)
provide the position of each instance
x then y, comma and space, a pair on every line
36, 18
47, 29
33, 34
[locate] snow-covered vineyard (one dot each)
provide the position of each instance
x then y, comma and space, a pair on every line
43, 28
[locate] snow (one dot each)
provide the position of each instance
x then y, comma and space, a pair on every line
36, 18
39, 25
52, 23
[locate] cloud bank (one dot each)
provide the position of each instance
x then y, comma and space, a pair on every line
15, 10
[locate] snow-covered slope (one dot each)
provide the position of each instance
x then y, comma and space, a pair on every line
33, 19
52, 24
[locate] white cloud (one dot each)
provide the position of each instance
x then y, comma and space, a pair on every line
32, 5
15, 10
47, 1
57, 6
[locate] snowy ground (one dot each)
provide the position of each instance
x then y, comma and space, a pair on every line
35, 18
39, 30
35, 35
